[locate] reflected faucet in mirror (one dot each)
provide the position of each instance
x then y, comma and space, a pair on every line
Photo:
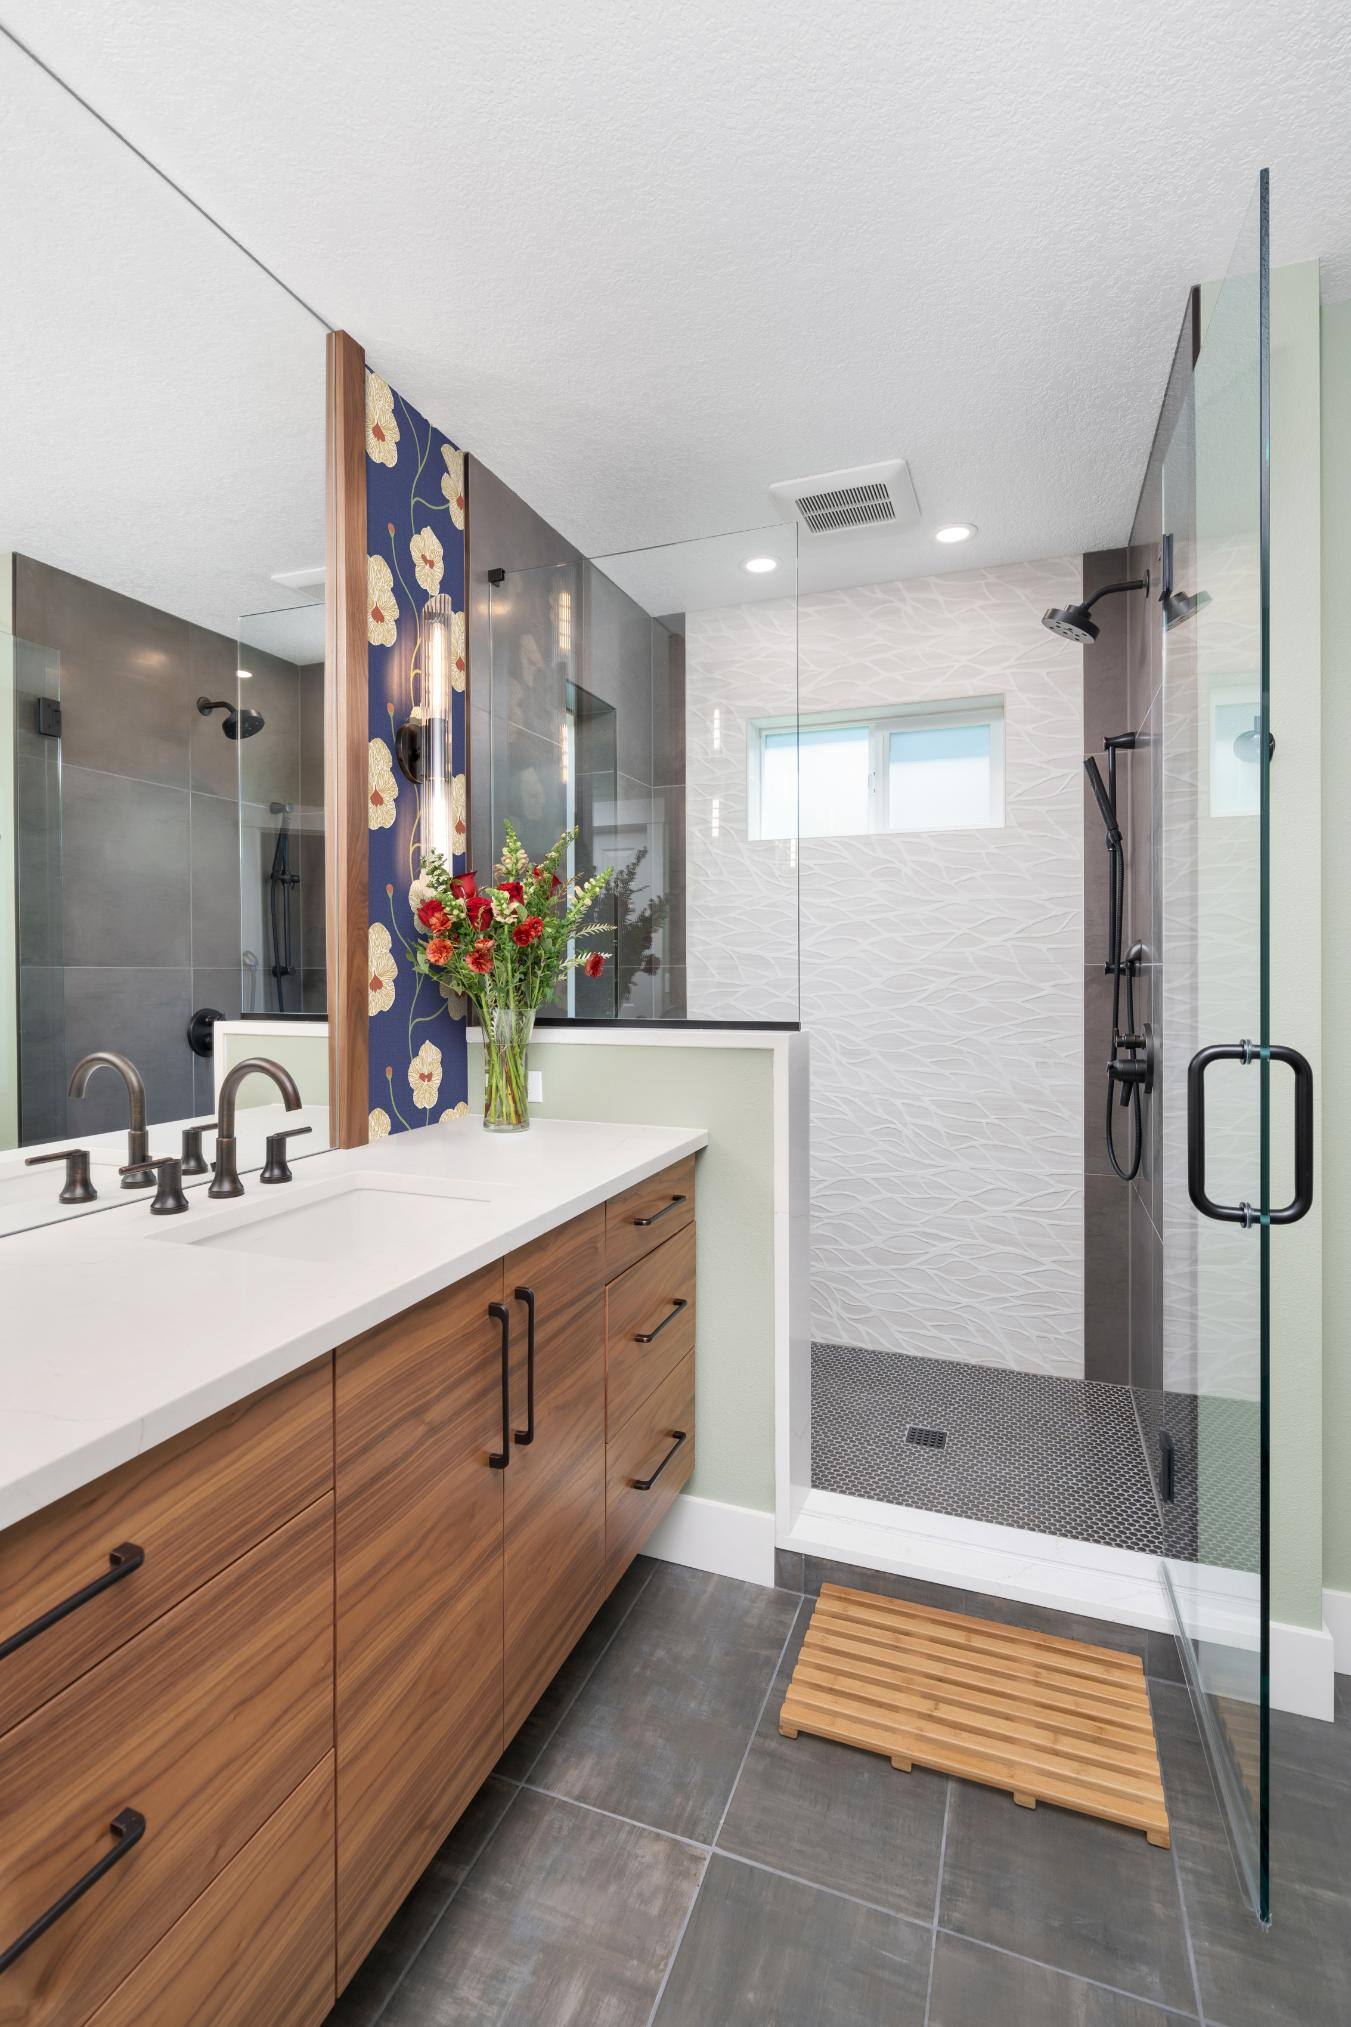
225, 1182
138, 1140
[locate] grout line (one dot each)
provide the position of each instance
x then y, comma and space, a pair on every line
566, 1711
938, 1898
1041, 1964
703, 1869
612, 1815
1186, 1918
835, 1892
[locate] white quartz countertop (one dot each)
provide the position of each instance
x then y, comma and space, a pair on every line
120, 1331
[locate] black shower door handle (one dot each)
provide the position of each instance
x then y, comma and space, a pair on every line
1244, 1214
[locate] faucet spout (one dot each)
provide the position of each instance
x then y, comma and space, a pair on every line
138, 1140
225, 1182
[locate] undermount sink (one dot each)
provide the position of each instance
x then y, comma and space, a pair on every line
345, 1220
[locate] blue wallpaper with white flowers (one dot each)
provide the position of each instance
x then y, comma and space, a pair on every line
414, 550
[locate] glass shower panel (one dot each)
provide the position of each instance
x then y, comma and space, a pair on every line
1215, 717
625, 699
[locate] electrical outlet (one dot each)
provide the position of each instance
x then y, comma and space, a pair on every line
536, 1090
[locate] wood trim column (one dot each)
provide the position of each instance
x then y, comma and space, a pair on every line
345, 741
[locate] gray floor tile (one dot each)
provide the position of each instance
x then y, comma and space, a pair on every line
761, 1951
788, 1569
568, 1917
361, 2004
1297, 1973
659, 1731
841, 1818
973, 1987
1090, 1897
542, 1722
817, 1570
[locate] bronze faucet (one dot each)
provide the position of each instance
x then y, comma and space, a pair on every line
138, 1140
225, 1181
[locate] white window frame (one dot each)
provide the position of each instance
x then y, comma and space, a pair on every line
929, 716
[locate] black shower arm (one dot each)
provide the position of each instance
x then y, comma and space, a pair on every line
1127, 584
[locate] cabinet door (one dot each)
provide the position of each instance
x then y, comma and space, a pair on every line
555, 1484
418, 1413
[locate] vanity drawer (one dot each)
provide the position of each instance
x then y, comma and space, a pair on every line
645, 1467
647, 1215
203, 1724
191, 1505
654, 1300
256, 1949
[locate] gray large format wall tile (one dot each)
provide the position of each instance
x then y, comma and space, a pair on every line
215, 881
1106, 1280
618, 637
124, 870
42, 1052
312, 735
213, 759
269, 762
142, 1013
124, 673
668, 706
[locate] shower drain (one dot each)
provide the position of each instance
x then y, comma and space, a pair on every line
928, 1439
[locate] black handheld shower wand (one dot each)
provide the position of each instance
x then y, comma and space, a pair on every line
1130, 1068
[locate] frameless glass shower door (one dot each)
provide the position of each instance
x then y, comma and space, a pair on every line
1220, 1095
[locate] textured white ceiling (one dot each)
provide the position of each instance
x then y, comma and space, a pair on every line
647, 260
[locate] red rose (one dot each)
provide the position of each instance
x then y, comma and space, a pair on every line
433, 916
440, 950
527, 932
480, 958
480, 910
513, 889
594, 965
464, 886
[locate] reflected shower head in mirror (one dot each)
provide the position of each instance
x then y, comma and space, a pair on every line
1248, 745
239, 721
1072, 622
1178, 606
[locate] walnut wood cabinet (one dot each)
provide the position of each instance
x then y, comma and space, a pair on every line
249, 1681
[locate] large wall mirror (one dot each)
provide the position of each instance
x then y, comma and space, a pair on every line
161, 660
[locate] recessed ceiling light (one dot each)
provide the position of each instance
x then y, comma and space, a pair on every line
758, 565
244, 675
958, 531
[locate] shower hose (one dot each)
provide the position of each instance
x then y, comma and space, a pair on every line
1119, 967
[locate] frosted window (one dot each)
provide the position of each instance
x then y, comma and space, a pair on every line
815, 783
940, 778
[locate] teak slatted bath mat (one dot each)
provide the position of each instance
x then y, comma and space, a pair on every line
1049, 1720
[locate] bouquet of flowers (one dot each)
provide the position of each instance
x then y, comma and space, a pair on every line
507, 948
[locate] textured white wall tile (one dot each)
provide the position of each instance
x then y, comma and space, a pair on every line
941, 972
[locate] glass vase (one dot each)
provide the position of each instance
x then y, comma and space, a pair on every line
506, 1046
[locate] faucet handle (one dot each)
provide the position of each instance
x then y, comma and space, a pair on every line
278, 1168
168, 1170
78, 1187
194, 1161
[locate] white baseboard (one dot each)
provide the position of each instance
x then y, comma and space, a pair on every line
1337, 1619
705, 1534
1303, 1665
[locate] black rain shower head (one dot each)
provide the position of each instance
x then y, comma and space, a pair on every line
239, 721
1180, 606
1072, 622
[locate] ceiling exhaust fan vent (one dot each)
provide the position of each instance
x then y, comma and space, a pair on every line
830, 503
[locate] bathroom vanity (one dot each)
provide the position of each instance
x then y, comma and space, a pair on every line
251, 1674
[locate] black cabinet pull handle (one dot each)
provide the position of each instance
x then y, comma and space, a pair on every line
646, 1484
128, 1828
500, 1459
650, 1336
1244, 1214
122, 1560
527, 1434
664, 1212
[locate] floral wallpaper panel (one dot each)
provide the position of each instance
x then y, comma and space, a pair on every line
415, 551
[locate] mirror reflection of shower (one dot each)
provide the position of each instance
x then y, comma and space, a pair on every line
282, 882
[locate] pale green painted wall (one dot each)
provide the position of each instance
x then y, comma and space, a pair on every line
731, 1092
1336, 1091
305, 1056
1296, 904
